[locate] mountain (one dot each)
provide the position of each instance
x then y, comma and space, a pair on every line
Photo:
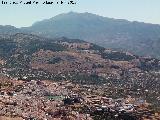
8, 29
136, 37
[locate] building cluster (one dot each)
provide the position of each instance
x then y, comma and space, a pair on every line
36, 100
82, 45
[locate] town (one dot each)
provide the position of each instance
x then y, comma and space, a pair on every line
69, 79
48, 100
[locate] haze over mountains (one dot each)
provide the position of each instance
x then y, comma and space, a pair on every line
136, 37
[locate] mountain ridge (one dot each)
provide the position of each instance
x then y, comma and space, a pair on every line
136, 37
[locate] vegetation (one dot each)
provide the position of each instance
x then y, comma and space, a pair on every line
7, 46
54, 60
117, 56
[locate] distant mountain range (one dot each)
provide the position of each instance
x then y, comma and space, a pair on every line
136, 37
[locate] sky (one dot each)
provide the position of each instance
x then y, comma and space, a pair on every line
134, 10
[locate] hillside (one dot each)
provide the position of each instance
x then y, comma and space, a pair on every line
26, 56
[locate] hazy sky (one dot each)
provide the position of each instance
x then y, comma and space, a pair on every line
134, 10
